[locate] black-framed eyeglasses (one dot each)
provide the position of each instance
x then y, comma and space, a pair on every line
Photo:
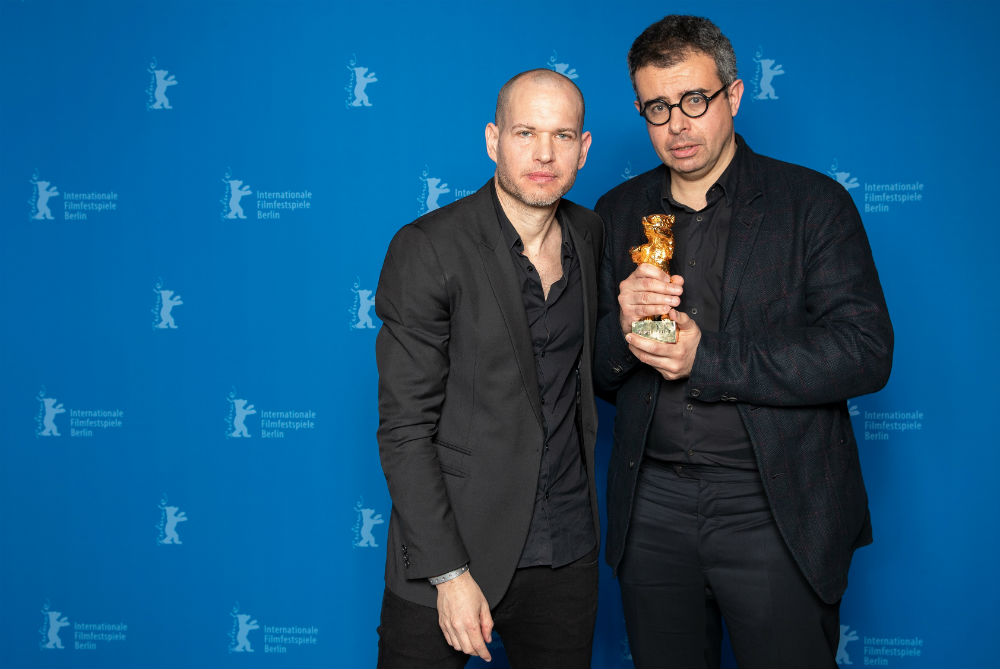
693, 104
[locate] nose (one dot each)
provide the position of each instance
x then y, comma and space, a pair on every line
678, 122
544, 148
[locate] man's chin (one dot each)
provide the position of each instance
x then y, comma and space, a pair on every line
536, 196
541, 201
688, 169
539, 198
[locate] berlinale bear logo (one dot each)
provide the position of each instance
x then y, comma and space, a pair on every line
767, 70
47, 412
239, 411
169, 517
52, 622
44, 191
360, 78
160, 80
366, 520
361, 317
243, 624
166, 300
236, 192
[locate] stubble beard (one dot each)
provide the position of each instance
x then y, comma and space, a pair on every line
509, 186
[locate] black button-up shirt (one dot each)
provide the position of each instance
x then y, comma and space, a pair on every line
685, 430
562, 527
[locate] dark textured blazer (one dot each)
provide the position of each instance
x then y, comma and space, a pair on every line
803, 327
460, 423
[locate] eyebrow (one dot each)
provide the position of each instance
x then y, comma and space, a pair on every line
664, 99
525, 126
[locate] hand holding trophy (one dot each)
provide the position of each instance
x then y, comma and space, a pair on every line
658, 251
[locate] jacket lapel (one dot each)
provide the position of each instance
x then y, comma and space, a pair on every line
747, 216
502, 276
583, 245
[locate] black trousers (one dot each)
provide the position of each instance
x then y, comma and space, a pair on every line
546, 619
702, 547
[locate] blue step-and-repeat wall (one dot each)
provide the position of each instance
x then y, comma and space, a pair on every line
195, 201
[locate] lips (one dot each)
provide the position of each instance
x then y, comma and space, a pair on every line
541, 177
683, 150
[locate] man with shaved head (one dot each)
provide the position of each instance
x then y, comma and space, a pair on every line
487, 420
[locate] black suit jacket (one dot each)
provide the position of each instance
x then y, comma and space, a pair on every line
460, 423
803, 327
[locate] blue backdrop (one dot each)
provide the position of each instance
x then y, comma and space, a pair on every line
195, 201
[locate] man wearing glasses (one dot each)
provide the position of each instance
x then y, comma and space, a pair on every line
734, 487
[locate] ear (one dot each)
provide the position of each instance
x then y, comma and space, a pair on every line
585, 140
492, 139
735, 95
637, 107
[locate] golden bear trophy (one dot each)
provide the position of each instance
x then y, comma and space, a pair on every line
658, 251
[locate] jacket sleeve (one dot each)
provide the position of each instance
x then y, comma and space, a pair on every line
411, 352
825, 339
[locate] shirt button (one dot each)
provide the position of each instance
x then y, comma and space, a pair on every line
697, 218
695, 392
694, 311
691, 452
649, 398
631, 464
691, 263
690, 407
531, 268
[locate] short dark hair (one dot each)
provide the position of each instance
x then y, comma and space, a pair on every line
539, 73
673, 38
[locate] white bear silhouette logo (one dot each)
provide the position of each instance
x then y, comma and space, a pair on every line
435, 189
236, 192
846, 635
167, 302
846, 180
843, 178
562, 68
768, 71
52, 408
245, 627
242, 410
160, 92
369, 519
363, 303
173, 516
45, 191
361, 80
56, 621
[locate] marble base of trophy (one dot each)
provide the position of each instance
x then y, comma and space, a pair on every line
665, 330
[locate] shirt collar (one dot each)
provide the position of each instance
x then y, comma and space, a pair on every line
724, 187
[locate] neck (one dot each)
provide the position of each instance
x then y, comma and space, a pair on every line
533, 224
690, 190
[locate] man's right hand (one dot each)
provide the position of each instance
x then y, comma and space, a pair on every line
464, 616
648, 291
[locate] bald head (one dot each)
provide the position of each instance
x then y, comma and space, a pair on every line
541, 77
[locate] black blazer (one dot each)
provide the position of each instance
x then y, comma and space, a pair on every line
803, 327
460, 422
